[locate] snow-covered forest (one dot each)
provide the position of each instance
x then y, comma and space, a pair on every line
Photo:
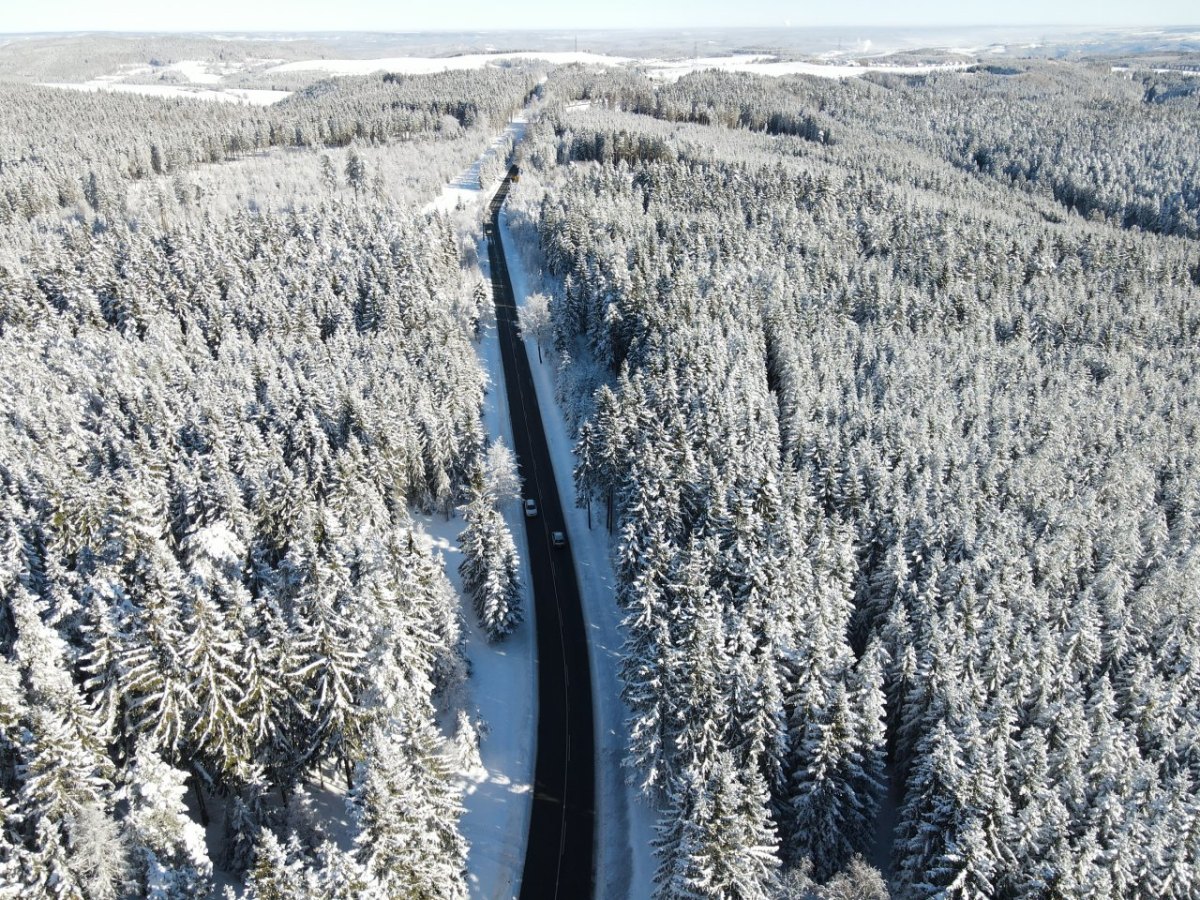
886, 388
63, 152
223, 400
883, 390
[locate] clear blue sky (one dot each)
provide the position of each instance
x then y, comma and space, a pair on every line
406, 15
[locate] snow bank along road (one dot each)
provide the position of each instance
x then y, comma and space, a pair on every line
559, 859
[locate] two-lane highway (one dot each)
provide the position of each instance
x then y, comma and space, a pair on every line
559, 861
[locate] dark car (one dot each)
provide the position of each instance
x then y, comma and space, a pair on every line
558, 539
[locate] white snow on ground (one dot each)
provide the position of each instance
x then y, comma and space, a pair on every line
498, 792
329, 794
465, 190
214, 837
655, 68
195, 71
199, 71
424, 65
672, 71
624, 822
734, 60
502, 688
126, 71
228, 95
1187, 72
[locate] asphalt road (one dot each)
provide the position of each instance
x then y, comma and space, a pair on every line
559, 861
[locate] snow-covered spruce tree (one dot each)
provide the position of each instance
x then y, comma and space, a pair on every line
329, 654
651, 665
171, 858
211, 655
831, 795
501, 480
60, 775
490, 566
585, 474
65, 801
928, 857
335, 873
722, 842
406, 806
150, 663
278, 872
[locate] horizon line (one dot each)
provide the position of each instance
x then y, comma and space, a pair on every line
593, 28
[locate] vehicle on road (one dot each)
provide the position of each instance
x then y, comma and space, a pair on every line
531, 509
558, 539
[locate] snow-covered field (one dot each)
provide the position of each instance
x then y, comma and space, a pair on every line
624, 823
204, 79
225, 95
211, 72
759, 66
203, 82
424, 65
655, 68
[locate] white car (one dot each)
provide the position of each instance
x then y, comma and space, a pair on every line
531, 509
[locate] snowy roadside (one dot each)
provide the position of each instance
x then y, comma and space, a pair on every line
499, 693
465, 190
624, 822
501, 689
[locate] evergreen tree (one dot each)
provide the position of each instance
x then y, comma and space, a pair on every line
171, 856
490, 567
719, 840
406, 809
